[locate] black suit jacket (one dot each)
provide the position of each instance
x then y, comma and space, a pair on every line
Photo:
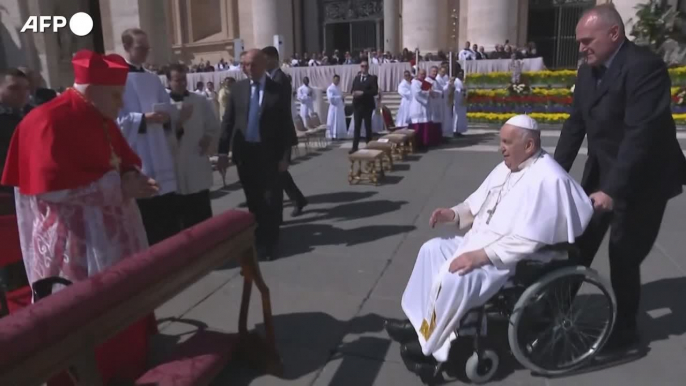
274, 111
281, 78
370, 87
633, 152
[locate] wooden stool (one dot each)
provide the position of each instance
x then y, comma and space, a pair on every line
387, 149
366, 170
410, 138
397, 142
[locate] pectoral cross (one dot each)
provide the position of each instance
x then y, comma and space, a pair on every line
491, 212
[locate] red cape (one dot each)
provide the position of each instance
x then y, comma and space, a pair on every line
62, 145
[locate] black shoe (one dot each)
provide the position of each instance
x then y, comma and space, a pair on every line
400, 331
620, 342
352, 151
413, 351
298, 210
458, 135
262, 253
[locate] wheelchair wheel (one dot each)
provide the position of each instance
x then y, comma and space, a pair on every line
481, 371
557, 325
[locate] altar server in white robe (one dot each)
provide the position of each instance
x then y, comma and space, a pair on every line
436, 104
402, 119
454, 275
148, 122
443, 79
306, 98
335, 121
459, 124
195, 141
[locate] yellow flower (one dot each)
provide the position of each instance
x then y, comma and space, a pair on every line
680, 119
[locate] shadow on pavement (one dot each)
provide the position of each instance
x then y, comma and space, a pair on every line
304, 238
349, 211
307, 342
337, 197
664, 299
469, 140
225, 190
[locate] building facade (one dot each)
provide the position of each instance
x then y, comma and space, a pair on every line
208, 30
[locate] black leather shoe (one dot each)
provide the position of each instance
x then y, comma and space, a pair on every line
400, 331
298, 210
352, 151
620, 342
413, 351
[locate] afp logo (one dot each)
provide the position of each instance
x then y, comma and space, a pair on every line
80, 24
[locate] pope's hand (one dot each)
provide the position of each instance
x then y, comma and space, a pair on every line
158, 117
186, 112
467, 262
223, 164
441, 215
602, 202
137, 185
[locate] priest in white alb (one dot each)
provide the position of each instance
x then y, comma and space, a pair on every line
446, 110
459, 123
402, 118
526, 203
149, 123
306, 97
335, 121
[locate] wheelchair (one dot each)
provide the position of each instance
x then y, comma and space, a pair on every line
554, 325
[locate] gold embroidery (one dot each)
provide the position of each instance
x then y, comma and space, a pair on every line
427, 329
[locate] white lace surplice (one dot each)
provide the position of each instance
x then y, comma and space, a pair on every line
79, 232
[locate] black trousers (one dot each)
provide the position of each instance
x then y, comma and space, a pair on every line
160, 217
263, 192
194, 208
633, 230
291, 189
362, 114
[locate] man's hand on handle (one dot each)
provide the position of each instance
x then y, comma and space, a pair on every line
136, 185
441, 215
602, 202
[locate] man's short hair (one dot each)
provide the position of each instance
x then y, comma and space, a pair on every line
177, 67
364, 60
129, 35
607, 13
271, 52
336, 76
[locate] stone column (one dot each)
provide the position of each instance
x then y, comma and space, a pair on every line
421, 25
502, 22
391, 21
273, 17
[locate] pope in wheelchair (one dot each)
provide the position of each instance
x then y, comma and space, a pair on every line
526, 208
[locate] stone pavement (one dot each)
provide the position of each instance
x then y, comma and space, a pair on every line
346, 261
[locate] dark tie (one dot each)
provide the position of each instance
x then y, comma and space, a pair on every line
599, 72
135, 69
363, 78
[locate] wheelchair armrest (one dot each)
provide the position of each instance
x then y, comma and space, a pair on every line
43, 288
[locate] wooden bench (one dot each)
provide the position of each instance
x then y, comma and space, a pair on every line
386, 148
62, 331
399, 143
367, 169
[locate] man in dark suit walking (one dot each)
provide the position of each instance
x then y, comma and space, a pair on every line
252, 128
635, 164
297, 198
365, 88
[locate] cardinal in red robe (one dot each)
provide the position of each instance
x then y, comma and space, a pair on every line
76, 180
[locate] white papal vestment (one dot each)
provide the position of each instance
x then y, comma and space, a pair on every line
306, 97
538, 205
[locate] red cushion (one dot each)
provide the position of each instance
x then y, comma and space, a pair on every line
196, 361
9, 234
46, 322
18, 299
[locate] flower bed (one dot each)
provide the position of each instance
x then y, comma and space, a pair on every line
549, 118
563, 78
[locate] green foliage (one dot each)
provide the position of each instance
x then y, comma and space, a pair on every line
655, 23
